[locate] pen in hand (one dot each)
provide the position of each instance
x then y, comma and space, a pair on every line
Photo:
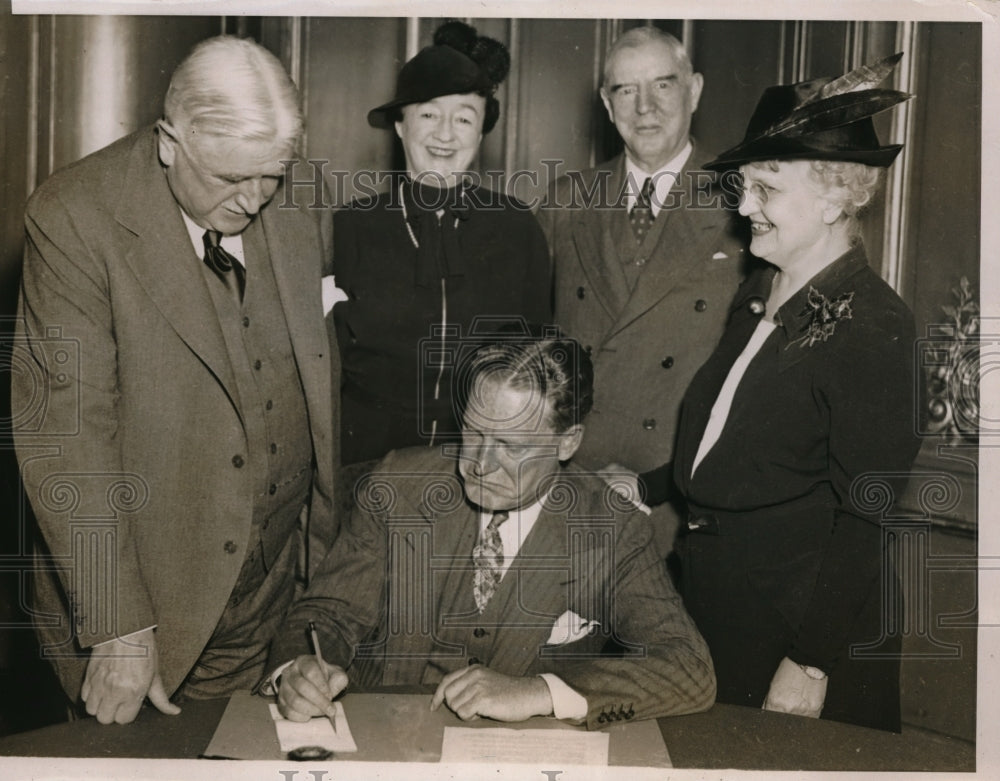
331, 710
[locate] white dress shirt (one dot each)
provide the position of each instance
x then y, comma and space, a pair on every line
720, 410
231, 244
663, 180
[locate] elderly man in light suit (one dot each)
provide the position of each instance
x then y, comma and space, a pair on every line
644, 273
510, 582
177, 442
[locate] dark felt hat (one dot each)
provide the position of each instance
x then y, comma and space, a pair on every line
820, 119
459, 62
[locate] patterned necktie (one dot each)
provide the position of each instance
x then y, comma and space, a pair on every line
488, 558
641, 215
222, 263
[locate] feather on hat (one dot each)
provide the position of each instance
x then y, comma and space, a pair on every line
821, 119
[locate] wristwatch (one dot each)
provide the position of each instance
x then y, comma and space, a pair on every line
813, 672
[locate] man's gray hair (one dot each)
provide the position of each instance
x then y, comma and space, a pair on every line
234, 87
638, 36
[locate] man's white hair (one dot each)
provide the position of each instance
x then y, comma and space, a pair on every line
234, 87
638, 36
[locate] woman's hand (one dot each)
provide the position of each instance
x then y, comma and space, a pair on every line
625, 482
794, 691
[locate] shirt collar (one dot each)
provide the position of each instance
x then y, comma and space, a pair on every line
231, 244
515, 530
664, 179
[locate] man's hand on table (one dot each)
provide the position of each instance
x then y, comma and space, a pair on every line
307, 688
479, 691
120, 675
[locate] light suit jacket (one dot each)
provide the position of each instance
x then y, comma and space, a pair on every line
394, 602
132, 440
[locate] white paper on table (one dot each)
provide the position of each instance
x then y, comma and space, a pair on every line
317, 731
467, 744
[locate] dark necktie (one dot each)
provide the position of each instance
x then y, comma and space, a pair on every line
226, 267
488, 558
641, 215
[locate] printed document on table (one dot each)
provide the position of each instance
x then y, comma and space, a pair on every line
465, 744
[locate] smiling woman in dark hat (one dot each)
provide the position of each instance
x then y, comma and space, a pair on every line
806, 400
435, 257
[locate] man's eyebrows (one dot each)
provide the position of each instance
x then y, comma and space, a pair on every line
666, 77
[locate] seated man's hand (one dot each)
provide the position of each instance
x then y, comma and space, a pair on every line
120, 674
307, 688
479, 691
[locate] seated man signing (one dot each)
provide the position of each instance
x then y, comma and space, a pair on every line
515, 583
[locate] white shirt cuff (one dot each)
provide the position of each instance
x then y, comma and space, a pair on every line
273, 681
566, 703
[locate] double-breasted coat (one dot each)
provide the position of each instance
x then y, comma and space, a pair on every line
647, 340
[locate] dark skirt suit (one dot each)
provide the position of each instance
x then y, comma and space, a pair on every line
780, 557
482, 265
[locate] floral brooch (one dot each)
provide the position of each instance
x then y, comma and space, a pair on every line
824, 315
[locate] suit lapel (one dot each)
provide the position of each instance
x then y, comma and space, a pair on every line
679, 249
532, 595
596, 239
299, 292
162, 258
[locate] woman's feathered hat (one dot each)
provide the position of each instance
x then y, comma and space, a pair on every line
821, 119
459, 62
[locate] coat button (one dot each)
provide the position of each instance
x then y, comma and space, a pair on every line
580, 293
256, 364
246, 322
274, 448
272, 489
474, 660
667, 362
269, 405
479, 632
700, 305
229, 547
640, 261
589, 349
238, 461
649, 424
